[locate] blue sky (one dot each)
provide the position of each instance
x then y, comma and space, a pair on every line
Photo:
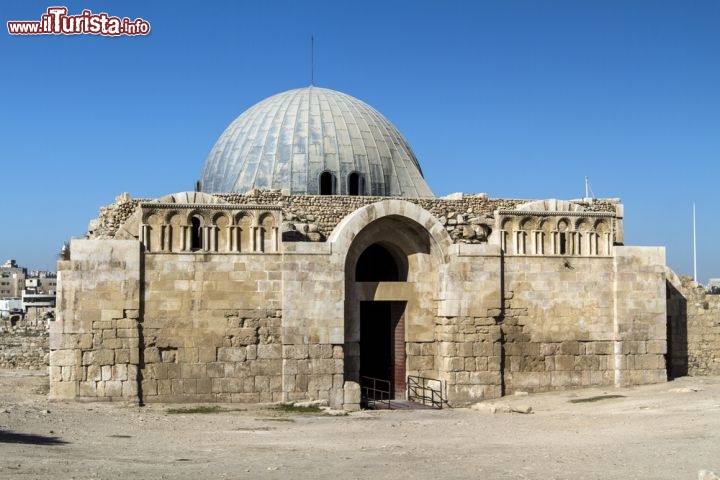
519, 99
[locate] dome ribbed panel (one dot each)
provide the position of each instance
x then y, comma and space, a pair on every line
288, 140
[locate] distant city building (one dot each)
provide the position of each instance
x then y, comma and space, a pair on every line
12, 279
714, 285
10, 306
21, 291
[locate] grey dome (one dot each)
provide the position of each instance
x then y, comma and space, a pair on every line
290, 140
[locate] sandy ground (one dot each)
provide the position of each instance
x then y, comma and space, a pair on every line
667, 431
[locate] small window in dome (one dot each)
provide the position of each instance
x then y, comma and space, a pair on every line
327, 183
356, 184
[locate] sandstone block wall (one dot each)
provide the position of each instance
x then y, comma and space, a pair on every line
165, 326
557, 323
640, 315
94, 340
468, 324
212, 328
313, 292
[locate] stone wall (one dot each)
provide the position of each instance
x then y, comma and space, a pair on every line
212, 328
283, 323
558, 325
693, 328
468, 324
24, 346
318, 216
94, 341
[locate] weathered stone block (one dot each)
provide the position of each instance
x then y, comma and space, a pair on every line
119, 372
452, 364
102, 357
152, 355
660, 346
570, 348
423, 363
62, 358
129, 389
564, 362
149, 387
296, 352
173, 370
122, 355
271, 351
113, 388
207, 354
55, 374
188, 355
320, 351
126, 324
164, 387
320, 383
110, 314
267, 367
188, 370
231, 354
204, 385
251, 352
63, 390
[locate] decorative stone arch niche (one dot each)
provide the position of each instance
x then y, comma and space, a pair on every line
555, 228
194, 222
395, 253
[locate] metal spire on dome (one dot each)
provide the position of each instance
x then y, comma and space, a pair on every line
312, 60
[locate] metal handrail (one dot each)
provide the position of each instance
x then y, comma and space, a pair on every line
374, 390
420, 390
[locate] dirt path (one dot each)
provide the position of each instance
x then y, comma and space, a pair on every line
668, 431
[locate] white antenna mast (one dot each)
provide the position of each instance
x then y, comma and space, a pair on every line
694, 248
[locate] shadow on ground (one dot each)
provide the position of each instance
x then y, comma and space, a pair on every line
30, 439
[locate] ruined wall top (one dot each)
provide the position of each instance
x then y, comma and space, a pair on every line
321, 214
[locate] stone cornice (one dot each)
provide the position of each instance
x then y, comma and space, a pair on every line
541, 213
208, 206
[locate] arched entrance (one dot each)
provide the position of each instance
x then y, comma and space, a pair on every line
382, 322
394, 253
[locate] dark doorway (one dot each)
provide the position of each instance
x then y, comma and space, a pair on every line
382, 343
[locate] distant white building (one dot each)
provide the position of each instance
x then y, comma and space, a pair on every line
9, 306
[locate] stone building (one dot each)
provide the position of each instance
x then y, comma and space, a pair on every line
313, 256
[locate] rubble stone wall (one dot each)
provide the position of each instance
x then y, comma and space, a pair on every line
693, 328
24, 346
321, 214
